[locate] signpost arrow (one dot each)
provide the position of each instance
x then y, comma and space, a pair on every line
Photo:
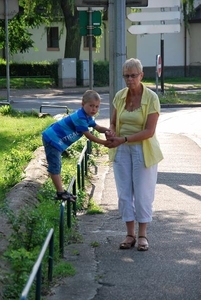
169, 11
150, 29
163, 3
154, 16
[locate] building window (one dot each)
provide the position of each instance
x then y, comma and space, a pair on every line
52, 37
86, 43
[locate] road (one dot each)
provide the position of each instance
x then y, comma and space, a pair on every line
179, 120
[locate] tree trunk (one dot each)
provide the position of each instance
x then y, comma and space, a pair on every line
73, 38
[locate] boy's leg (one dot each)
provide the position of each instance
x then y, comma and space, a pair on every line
61, 193
53, 157
56, 179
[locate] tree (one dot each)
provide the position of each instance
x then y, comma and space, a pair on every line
36, 12
65, 11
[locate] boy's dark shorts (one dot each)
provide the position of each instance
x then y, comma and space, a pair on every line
53, 157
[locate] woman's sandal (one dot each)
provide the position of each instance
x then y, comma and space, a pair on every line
128, 245
143, 246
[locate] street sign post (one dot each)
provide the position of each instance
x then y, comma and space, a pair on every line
90, 22
8, 9
167, 20
158, 70
158, 65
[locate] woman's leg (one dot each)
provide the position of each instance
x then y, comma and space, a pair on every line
144, 182
122, 172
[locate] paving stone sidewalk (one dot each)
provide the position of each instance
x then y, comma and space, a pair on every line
171, 269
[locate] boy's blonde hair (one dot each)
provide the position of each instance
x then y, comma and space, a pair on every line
90, 95
133, 63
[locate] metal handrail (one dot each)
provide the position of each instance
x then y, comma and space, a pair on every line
71, 188
82, 165
54, 106
37, 268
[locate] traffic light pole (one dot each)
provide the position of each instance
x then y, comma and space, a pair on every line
117, 51
111, 54
90, 50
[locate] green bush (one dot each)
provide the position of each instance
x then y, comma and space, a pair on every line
34, 69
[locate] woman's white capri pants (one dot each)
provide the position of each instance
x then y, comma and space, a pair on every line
135, 184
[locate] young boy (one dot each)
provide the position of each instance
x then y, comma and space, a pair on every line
60, 135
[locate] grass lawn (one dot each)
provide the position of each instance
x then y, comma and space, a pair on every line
27, 83
20, 135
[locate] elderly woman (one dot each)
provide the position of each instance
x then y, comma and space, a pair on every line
136, 152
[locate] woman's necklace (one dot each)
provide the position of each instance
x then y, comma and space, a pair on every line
133, 103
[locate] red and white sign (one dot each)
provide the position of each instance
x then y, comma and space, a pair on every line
159, 65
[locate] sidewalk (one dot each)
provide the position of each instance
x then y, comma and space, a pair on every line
171, 269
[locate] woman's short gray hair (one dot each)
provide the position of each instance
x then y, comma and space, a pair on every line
133, 63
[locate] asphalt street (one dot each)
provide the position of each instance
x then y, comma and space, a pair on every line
171, 268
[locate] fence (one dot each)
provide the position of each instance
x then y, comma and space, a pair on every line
82, 171
55, 106
37, 268
82, 165
71, 187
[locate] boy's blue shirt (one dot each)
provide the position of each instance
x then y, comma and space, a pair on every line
68, 130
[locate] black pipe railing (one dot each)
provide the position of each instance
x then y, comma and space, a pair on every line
71, 188
82, 171
82, 165
54, 106
37, 268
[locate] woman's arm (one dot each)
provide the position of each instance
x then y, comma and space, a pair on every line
95, 139
113, 120
144, 134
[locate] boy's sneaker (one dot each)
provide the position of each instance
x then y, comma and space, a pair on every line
65, 196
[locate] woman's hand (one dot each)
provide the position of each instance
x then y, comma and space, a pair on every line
109, 134
114, 141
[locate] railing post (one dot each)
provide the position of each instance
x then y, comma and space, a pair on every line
68, 214
82, 170
61, 230
38, 282
74, 203
89, 146
50, 260
86, 162
78, 176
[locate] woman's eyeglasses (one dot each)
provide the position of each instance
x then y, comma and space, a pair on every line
126, 76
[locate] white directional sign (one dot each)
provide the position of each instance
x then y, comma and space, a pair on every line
150, 29
163, 3
154, 16
167, 20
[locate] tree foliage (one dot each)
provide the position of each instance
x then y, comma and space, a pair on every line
36, 12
